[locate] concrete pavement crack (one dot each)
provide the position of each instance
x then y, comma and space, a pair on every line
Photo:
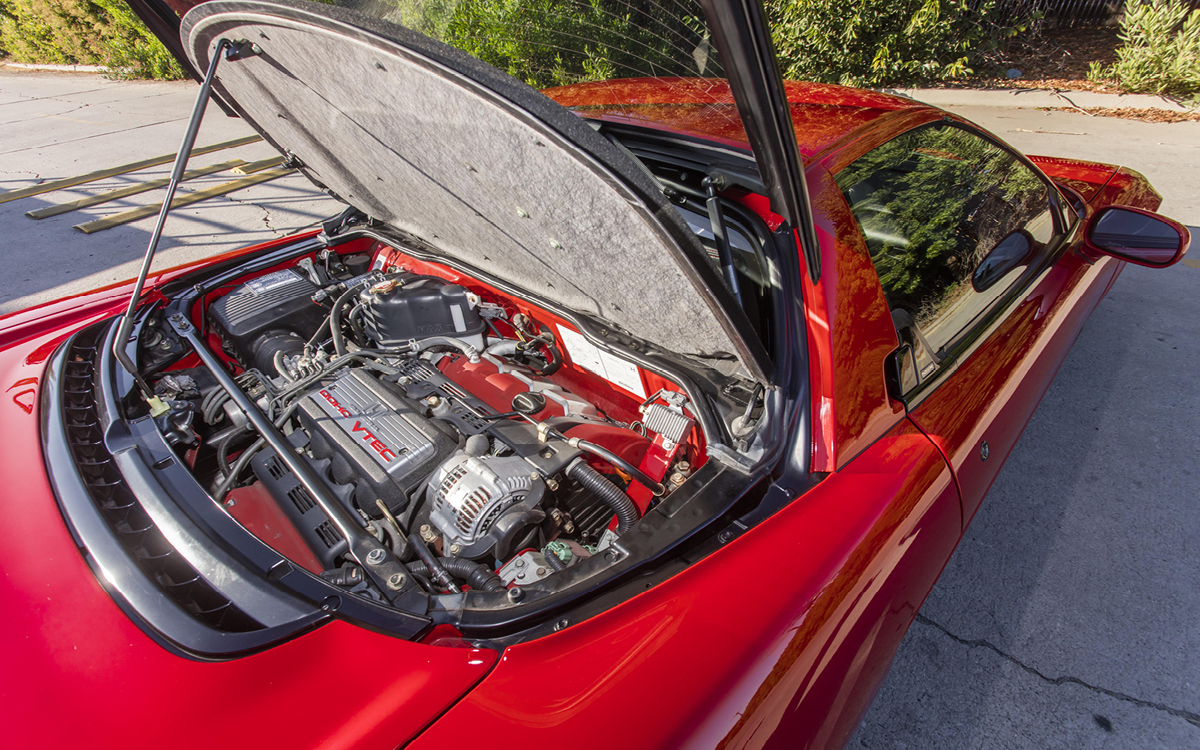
266, 212
1188, 716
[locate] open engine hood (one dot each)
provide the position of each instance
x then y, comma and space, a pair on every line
475, 163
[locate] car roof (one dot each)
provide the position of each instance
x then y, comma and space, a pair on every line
824, 114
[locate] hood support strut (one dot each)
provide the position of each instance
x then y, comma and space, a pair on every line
232, 51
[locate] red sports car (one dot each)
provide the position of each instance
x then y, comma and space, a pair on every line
637, 413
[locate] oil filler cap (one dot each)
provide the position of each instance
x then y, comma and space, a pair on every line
528, 403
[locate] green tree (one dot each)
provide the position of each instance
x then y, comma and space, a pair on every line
83, 32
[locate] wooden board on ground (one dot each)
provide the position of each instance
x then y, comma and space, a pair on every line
100, 174
134, 189
142, 212
258, 166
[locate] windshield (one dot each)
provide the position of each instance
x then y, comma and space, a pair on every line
554, 43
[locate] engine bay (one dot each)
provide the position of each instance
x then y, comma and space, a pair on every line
480, 440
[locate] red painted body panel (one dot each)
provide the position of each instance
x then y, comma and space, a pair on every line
1087, 177
740, 650
821, 113
992, 394
851, 328
69, 646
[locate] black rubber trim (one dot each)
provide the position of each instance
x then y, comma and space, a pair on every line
134, 592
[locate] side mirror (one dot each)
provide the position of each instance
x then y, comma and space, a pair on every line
1137, 236
1011, 252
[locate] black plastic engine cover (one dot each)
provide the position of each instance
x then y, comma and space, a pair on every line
400, 309
312, 523
278, 303
374, 438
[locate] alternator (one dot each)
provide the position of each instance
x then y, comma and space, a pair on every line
481, 502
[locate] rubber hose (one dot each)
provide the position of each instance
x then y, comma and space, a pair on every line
554, 561
554, 359
243, 460
210, 406
439, 574
477, 576
504, 348
280, 367
471, 352
335, 320
360, 335
609, 493
224, 447
620, 463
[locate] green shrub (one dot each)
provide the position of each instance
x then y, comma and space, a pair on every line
83, 32
1160, 50
884, 42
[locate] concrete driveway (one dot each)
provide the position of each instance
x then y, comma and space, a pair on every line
1070, 615
56, 125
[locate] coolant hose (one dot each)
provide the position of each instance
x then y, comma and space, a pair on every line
502, 348
471, 352
609, 493
477, 576
633, 471
225, 446
335, 320
432, 566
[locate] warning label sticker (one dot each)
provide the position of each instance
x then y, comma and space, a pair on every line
608, 366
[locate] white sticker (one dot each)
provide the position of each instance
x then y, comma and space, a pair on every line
264, 284
610, 367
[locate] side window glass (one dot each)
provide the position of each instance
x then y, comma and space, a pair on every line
951, 221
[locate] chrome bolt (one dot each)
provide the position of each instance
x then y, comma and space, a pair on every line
683, 466
520, 563
551, 485
515, 594
455, 549
678, 478
375, 556
396, 581
562, 624
541, 571
404, 380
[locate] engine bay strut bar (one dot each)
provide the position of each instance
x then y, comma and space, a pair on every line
386, 572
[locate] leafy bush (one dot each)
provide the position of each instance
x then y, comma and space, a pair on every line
83, 32
1160, 51
885, 42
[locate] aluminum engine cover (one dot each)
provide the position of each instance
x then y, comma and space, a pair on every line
375, 438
